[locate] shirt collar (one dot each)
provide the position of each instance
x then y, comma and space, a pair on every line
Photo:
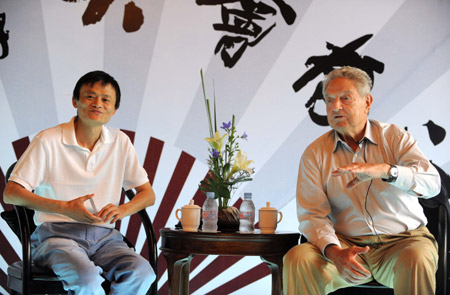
68, 134
368, 135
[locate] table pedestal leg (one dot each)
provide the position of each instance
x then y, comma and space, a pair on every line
178, 272
275, 263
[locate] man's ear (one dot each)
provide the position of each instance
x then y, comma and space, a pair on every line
74, 102
369, 100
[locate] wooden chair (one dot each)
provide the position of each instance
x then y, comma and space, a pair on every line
26, 278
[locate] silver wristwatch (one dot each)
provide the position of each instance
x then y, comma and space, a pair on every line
393, 174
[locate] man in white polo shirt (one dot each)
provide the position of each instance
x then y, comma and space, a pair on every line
72, 176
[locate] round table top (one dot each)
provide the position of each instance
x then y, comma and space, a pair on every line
235, 243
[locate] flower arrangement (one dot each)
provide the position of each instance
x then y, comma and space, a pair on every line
228, 165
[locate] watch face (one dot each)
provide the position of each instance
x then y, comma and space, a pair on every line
394, 171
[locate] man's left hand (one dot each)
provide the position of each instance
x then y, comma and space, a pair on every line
111, 212
363, 172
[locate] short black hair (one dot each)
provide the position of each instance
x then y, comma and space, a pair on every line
97, 76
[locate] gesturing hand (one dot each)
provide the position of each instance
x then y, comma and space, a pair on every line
363, 172
76, 210
349, 268
111, 212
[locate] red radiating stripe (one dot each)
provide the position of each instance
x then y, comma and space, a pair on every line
179, 176
162, 266
199, 198
130, 134
3, 280
216, 267
20, 146
7, 250
238, 203
144, 250
176, 183
250, 276
134, 223
154, 151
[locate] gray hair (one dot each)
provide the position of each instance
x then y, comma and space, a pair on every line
361, 79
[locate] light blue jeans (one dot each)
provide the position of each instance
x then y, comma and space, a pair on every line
83, 255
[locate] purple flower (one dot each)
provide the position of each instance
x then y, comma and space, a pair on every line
244, 136
215, 153
226, 126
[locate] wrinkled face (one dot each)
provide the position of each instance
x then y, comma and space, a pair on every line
347, 111
96, 104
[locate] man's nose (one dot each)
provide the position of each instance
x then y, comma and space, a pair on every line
96, 103
336, 105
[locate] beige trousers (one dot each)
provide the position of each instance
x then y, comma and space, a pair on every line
406, 262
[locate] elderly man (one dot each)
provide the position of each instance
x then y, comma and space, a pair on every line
66, 174
357, 201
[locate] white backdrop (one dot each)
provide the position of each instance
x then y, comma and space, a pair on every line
155, 49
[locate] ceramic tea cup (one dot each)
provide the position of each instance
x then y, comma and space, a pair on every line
269, 218
190, 216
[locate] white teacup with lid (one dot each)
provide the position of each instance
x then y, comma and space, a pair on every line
269, 218
190, 216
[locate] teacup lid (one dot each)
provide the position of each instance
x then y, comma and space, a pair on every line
191, 205
268, 208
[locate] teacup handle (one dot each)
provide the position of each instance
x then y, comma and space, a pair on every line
176, 214
281, 217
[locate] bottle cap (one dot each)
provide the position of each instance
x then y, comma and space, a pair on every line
247, 196
210, 195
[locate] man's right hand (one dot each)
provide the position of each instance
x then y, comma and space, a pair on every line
16, 194
347, 265
76, 210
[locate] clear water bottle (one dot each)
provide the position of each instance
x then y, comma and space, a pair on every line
210, 213
247, 215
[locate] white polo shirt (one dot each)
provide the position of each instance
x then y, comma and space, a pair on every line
56, 167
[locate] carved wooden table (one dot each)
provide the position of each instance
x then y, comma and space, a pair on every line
179, 247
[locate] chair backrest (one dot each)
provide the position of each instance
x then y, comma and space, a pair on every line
437, 211
11, 217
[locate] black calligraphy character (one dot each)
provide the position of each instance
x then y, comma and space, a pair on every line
436, 132
95, 11
287, 12
133, 17
340, 56
243, 24
4, 36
